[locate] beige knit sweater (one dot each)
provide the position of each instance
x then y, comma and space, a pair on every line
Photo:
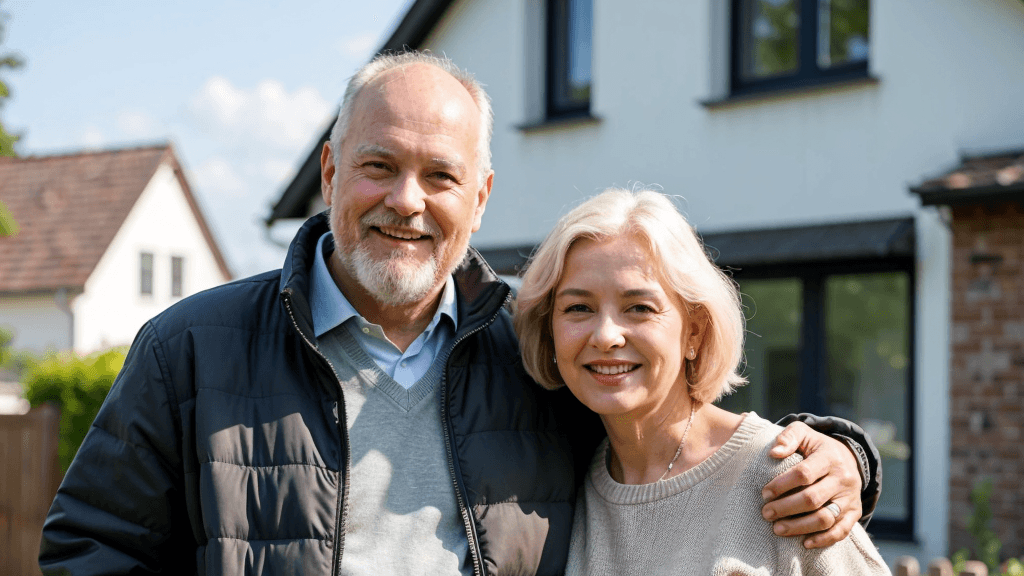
706, 520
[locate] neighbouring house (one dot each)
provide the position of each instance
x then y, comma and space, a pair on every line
792, 131
106, 240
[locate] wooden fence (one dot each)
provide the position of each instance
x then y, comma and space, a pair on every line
29, 476
908, 566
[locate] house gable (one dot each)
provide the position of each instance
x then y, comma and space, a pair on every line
162, 223
67, 278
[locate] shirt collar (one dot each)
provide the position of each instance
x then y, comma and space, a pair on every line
330, 308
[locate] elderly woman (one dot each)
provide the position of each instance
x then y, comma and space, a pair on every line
621, 304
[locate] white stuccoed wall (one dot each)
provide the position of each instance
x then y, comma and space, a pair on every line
39, 322
111, 310
950, 80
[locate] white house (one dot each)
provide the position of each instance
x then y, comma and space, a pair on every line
792, 130
106, 240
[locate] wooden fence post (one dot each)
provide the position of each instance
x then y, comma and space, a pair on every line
907, 566
29, 478
974, 568
940, 567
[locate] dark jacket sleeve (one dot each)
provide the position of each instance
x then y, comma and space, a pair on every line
862, 447
120, 508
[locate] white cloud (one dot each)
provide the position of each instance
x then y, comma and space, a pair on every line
92, 137
359, 46
279, 170
217, 176
137, 124
257, 135
266, 115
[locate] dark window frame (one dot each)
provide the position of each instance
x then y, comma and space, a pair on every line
556, 102
177, 276
808, 72
814, 358
146, 262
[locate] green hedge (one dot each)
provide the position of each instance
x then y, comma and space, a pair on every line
77, 386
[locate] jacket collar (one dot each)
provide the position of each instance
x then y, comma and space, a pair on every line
479, 291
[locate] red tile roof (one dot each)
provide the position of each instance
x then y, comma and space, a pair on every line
68, 209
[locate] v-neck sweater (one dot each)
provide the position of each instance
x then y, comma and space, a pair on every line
403, 516
706, 520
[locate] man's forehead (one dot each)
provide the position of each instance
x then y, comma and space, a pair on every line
419, 87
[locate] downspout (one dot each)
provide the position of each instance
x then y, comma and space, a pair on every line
61, 299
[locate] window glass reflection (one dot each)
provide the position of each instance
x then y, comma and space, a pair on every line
842, 32
773, 310
867, 323
770, 38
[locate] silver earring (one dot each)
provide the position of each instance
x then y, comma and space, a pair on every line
692, 354
554, 359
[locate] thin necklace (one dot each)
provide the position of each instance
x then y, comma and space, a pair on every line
689, 422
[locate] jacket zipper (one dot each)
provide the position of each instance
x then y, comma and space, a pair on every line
342, 506
467, 520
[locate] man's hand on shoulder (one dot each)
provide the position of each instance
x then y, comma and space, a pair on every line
829, 476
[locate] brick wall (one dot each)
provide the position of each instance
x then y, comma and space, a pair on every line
987, 380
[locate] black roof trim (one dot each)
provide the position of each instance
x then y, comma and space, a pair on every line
510, 260
417, 23
862, 240
976, 195
865, 239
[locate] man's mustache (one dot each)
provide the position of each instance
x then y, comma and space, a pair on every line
389, 219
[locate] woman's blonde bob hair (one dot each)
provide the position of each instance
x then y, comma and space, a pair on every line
653, 219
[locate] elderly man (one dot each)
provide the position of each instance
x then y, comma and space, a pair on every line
363, 410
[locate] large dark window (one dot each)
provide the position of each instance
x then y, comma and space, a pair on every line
837, 340
570, 29
787, 43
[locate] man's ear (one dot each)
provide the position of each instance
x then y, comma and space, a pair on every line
326, 172
481, 200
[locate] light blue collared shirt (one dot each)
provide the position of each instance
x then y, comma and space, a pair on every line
331, 309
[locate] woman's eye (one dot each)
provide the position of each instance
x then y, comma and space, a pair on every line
641, 308
576, 308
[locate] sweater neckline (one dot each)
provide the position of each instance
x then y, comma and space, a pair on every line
612, 491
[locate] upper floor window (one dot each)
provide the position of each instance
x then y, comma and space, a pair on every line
177, 276
570, 32
146, 273
785, 43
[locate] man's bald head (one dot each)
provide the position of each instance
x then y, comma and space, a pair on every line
388, 62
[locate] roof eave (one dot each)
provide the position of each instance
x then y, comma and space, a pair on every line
994, 194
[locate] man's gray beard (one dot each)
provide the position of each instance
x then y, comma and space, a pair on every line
391, 285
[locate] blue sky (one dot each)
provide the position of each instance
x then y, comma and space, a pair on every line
239, 87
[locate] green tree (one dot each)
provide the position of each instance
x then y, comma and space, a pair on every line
8, 227
10, 61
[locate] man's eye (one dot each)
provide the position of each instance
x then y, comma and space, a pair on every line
445, 176
376, 165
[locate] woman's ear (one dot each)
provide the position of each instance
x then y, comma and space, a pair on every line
698, 323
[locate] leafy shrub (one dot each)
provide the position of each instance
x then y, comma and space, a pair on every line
77, 386
986, 541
